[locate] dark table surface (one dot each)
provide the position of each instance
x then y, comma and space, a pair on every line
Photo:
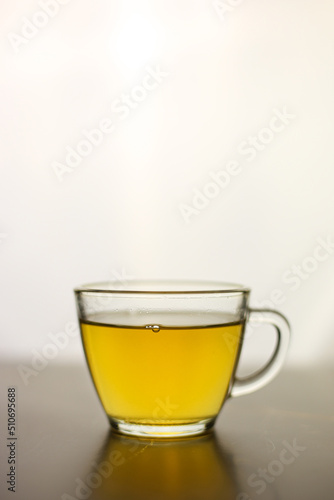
275, 444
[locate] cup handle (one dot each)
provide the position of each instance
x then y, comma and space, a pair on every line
262, 377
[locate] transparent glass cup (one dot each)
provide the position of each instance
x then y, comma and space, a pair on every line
163, 355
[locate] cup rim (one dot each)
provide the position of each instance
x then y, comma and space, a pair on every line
162, 287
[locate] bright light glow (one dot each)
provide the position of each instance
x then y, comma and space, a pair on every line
136, 42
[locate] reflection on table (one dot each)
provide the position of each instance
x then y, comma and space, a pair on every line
135, 468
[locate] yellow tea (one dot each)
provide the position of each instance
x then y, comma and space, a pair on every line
158, 374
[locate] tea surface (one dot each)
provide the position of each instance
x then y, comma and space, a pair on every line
163, 375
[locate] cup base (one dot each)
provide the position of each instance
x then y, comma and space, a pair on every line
161, 430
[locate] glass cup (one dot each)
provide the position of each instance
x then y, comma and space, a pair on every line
163, 355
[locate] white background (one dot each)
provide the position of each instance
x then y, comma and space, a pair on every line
118, 212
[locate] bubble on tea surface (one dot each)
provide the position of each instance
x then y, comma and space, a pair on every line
154, 328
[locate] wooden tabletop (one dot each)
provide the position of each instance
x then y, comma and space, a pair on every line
275, 444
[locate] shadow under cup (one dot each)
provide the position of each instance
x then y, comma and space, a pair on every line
163, 355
